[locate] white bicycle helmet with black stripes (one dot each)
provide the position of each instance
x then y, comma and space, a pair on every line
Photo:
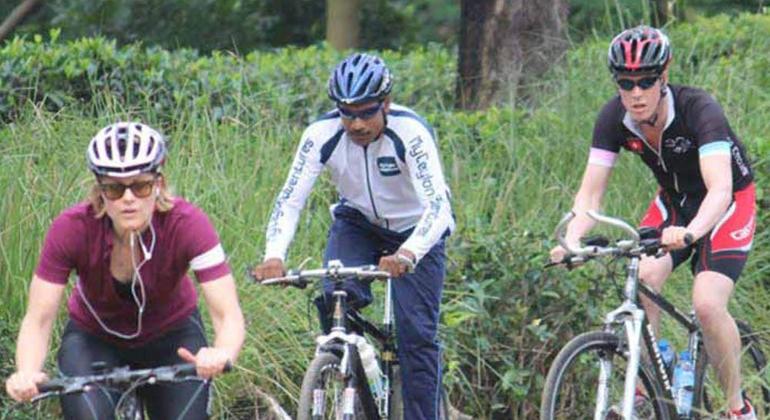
125, 149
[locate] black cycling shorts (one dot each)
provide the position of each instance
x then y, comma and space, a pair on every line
185, 400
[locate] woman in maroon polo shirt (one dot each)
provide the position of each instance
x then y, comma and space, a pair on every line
130, 245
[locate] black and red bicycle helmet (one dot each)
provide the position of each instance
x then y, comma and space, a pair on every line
642, 49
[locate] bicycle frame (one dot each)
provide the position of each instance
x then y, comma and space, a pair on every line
632, 317
350, 358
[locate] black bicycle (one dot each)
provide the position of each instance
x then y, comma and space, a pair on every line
124, 380
336, 385
601, 374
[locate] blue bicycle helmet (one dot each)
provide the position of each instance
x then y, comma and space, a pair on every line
360, 78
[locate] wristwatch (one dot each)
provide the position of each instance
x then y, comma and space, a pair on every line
408, 262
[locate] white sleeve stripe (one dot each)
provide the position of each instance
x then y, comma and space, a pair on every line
208, 259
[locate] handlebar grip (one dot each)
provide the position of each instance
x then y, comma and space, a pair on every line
50, 386
689, 238
299, 284
186, 369
569, 261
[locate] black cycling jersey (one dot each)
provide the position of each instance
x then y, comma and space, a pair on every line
694, 120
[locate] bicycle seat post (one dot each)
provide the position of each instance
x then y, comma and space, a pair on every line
340, 310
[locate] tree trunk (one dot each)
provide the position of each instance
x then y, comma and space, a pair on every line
342, 23
17, 15
503, 45
661, 10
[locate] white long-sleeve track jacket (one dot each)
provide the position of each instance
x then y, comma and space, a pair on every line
396, 181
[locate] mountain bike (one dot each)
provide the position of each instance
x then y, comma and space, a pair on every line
124, 380
335, 385
601, 374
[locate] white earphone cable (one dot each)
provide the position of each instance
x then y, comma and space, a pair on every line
140, 299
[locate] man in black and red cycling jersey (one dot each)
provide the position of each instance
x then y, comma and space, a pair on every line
706, 189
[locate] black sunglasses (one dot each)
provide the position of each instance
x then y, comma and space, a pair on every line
115, 190
644, 83
363, 114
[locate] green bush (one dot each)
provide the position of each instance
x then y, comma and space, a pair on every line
94, 74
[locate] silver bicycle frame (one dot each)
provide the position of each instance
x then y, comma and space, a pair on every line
627, 314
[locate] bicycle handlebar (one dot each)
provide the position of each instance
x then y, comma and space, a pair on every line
635, 246
120, 376
300, 278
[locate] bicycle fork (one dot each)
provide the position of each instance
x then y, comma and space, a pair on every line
633, 318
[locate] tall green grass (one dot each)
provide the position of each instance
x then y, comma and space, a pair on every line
512, 172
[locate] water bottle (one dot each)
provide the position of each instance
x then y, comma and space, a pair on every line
684, 379
667, 355
371, 368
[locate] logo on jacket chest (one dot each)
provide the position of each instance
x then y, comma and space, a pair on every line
678, 144
387, 166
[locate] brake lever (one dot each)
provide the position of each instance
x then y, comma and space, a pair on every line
300, 283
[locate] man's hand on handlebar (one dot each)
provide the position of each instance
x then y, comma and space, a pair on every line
675, 237
270, 268
398, 264
558, 255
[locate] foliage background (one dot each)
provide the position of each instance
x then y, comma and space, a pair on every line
234, 120
245, 25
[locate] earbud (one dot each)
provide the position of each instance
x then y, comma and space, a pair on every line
157, 192
147, 254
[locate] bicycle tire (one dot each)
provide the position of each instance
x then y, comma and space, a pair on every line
562, 399
322, 372
753, 375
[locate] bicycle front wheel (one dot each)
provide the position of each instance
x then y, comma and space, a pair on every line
573, 382
324, 394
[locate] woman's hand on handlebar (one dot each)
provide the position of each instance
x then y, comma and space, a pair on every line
22, 386
209, 361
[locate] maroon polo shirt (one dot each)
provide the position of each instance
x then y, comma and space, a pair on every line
185, 239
